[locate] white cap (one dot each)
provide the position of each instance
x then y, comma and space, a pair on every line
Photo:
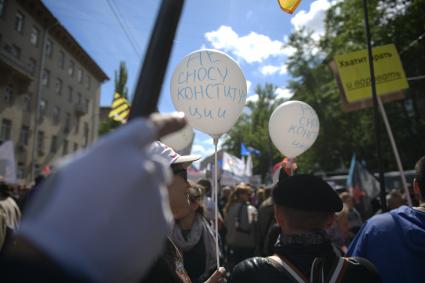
170, 155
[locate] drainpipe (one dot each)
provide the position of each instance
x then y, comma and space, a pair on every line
38, 99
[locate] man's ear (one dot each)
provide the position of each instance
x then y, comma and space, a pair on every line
278, 215
417, 190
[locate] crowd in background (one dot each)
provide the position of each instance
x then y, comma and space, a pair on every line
252, 222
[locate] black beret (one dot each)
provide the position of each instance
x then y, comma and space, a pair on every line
306, 193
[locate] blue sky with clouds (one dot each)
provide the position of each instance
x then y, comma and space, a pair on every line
253, 32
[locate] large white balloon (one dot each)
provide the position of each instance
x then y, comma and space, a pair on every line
210, 88
293, 127
180, 139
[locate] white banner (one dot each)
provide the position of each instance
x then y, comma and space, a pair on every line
233, 164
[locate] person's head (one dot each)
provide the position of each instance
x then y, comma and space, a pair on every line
242, 193
261, 195
227, 190
303, 203
207, 186
178, 189
347, 199
419, 181
394, 199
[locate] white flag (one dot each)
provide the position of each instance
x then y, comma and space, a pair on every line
233, 164
248, 166
7, 162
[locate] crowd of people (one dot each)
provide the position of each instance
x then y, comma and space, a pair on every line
132, 215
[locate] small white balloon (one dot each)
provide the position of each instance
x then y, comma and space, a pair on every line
180, 139
210, 88
293, 127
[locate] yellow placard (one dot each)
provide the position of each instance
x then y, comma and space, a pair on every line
353, 69
289, 6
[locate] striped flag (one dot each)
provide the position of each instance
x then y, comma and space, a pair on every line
120, 109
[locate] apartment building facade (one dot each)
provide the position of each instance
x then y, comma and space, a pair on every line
49, 87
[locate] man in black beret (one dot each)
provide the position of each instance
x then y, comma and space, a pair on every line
304, 206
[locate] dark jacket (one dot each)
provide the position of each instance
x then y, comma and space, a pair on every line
300, 251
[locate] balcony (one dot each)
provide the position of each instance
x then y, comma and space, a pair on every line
10, 64
80, 109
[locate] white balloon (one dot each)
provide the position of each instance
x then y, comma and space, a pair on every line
293, 127
210, 88
180, 139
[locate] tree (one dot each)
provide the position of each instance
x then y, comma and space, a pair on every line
121, 80
252, 130
121, 88
342, 133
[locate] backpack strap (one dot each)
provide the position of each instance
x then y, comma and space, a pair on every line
317, 273
339, 271
284, 265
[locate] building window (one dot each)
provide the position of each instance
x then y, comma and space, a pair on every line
26, 104
49, 48
19, 22
54, 144
15, 51
56, 114
45, 77
32, 64
70, 93
86, 104
42, 109
40, 142
75, 147
58, 87
20, 173
8, 93
80, 75
71, 68
6, 129
24, 135
67, 127
65, 147
79, 98
2, 7
77, 125
88, 82
86, 133
61, 59
34, 36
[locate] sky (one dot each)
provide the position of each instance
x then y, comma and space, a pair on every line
252, 32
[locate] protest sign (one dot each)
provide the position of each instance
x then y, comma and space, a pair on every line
353, 71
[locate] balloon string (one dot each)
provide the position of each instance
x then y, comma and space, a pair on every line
289, 165
216, 201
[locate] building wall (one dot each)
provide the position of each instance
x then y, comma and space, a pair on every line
68, 95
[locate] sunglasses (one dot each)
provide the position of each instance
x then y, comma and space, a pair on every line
182, 172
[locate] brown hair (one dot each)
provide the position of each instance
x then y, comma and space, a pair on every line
196, 194
235, 196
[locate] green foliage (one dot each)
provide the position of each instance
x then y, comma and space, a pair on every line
392, 21
342, 133
120, 87
121, 80
252, 130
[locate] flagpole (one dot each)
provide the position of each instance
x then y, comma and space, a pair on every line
150, 80
375, 108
